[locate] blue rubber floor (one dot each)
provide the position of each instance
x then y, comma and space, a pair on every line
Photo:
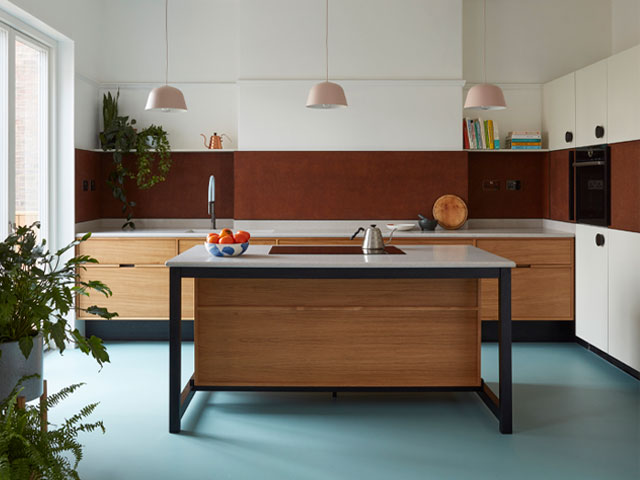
575, 417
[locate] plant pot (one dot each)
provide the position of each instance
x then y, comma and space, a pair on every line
13, 366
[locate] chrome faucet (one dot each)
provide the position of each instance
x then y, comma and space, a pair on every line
212, 200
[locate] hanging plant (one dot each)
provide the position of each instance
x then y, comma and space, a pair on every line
150, 148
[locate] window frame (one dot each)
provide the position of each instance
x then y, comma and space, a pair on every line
16, 30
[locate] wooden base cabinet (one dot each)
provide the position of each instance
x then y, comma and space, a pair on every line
540, 293
138, 292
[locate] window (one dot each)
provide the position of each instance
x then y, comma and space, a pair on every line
24, 114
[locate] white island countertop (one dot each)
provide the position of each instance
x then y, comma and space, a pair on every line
432, 256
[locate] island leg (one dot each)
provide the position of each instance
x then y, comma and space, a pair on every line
175, 347
504, 353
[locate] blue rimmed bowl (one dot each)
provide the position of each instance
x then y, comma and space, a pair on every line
226, 249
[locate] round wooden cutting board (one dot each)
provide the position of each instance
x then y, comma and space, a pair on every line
450, 211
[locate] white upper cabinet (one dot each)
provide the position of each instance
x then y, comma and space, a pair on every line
624, 301
559, 112
591, 105
623, 93
592, 316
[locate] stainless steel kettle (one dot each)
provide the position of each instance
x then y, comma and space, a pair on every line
373, 242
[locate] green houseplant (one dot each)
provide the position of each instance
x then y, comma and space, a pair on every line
37, 291
150, 149
31, 449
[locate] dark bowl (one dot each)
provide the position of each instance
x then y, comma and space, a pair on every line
427, 224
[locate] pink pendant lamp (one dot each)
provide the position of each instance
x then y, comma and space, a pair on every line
485, 96
166, 98
326, 94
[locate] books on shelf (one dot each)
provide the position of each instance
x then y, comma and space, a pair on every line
480, 134
524, 140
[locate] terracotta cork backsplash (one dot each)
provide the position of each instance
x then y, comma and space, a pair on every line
625, 186
325, 185
344, 185
182, 195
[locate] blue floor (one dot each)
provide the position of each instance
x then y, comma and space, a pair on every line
575, 417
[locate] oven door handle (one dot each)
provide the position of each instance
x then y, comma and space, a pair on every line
594, 163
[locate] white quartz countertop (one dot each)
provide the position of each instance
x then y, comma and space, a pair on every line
431, 256
319, 229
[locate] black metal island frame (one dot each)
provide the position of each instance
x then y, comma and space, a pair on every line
438, 264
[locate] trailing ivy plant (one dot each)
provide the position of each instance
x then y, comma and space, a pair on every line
149, 147
31, 452
39, 288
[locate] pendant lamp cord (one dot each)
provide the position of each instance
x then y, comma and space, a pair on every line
484, 41
166, 41
326, 39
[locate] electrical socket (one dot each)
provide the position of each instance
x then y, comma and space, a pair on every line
514, 184
85, 185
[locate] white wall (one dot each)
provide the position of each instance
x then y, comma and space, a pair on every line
211, 107
382, 115
535, 41
625, 24
368, 39
530, 43
216, 42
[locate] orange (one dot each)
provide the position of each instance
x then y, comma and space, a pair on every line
226, 231
241, 237
243, 234
212, 238
227, 239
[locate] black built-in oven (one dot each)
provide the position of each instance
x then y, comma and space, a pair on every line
591, 185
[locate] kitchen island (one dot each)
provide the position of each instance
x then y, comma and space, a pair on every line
279, 322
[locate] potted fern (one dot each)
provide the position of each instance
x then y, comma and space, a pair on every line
37, 291
31, 449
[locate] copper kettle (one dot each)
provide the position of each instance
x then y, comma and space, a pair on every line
215, 142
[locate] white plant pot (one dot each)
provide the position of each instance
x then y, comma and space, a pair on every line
13, 366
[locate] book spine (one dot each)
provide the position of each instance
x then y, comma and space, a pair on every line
482, 136
465, 134
472, 133
496, 137
518, 147
490, 135
478, 137
526, 144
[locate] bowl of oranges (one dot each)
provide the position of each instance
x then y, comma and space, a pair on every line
227, 244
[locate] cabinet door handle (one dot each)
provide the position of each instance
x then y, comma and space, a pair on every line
599, 131
523, 265
127, 265
568, 137
600, 240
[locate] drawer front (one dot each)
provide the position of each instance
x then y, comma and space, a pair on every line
185, 244
133, 251
289, 346
553, 251
334, 293
138, 293
544, 293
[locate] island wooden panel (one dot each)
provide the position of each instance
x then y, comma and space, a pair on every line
306, 346
138, 293
538, 293
134, 251
338, 293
